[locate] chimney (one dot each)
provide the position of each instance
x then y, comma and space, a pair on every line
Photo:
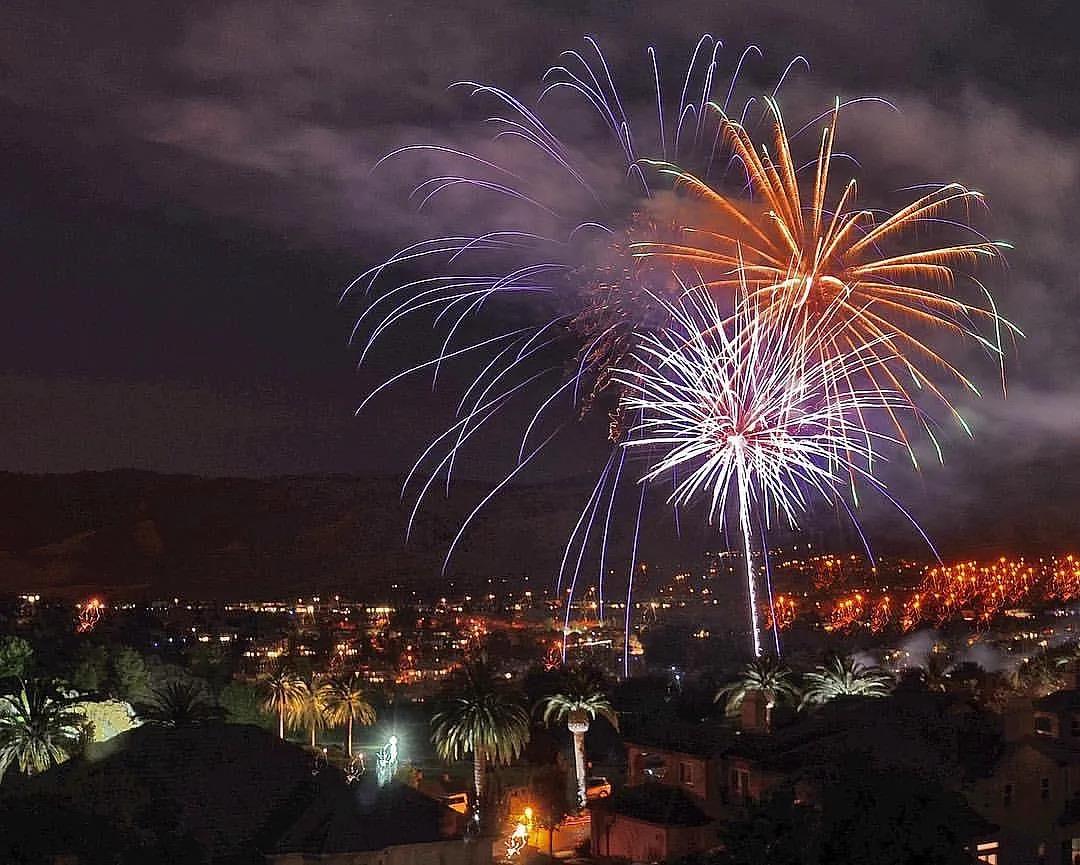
1018, 719
754, 714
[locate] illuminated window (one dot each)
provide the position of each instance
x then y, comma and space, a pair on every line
686, 774
1073, 852
987, 852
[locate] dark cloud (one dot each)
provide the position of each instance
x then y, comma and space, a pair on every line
190, 429
248, 130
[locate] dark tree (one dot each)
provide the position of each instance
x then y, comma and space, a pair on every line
548, 788
894, 818
16, 656
179, 704
857, 814
129, 674
91, 668
242, 703
774, 832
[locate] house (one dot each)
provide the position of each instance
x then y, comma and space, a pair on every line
722, 765
367, 824
651, 822
221, 793
192, 794
691, 767
1033, 791
675, 794
723, 768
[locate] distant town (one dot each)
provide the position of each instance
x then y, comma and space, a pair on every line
633, 732
410, 640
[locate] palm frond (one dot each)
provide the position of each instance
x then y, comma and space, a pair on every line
843, 676
765, 675
482, 716
38, 729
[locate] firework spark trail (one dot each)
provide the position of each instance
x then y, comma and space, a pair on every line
749, 407
590, 509
591, 80
829, 280
975, 591
89, 615
592, 318
805, 252
983, 590
630, 584
769, 583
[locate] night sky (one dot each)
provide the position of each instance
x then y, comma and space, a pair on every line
186, 188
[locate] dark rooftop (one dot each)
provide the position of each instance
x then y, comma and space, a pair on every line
335, 818
655, 803
215, 784
702, 739
940, 734
1059, 701
1050, 747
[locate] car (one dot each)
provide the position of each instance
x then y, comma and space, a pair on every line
597, 788
457, 802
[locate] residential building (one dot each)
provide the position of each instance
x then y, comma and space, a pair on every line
1033, 792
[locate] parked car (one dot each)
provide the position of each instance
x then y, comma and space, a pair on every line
597, 788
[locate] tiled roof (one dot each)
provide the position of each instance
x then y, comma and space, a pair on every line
655, 803
218, 784
1059, 701
917, 730
237, 790
1053, 748
335, 818
702, 739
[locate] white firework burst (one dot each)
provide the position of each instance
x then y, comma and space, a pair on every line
751, 407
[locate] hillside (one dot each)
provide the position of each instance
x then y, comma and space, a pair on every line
142, 534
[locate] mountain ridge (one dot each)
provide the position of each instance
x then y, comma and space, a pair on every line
137, 532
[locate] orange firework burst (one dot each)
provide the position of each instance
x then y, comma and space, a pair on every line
882, 615
89, 615
974, 591
978, 591
858, 610
812, 252
1065, 582
782, 614
846, 613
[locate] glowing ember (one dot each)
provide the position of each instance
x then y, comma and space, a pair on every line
89, 615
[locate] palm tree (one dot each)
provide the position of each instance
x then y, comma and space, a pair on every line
844, 676
482, 719
1067, 654
38, 729
583, 701
968, 676
311, 705
935, 672
764, 675
345, 704
282, 690
1038, 676
182, 703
